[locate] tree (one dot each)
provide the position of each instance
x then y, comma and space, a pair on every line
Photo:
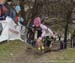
59, 9
68, 18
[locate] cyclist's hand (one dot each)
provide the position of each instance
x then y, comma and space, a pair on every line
53, 37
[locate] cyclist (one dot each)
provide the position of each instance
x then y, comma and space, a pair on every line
40, 32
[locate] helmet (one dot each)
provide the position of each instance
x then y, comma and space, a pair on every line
37, 21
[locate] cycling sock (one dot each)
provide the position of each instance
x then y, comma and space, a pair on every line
43, 47
39, 48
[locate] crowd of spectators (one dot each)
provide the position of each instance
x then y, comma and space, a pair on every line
12, 10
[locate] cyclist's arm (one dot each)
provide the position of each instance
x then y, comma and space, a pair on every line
44, 29
51, 32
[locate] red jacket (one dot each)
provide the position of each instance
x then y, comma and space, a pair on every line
17, 19
4, 9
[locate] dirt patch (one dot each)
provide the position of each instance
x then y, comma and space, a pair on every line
29, 56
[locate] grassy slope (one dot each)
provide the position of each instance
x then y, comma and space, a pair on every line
12, 49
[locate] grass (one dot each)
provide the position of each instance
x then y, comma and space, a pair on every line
64, 56
11, 49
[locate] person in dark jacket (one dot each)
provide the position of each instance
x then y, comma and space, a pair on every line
11, 12
3, 11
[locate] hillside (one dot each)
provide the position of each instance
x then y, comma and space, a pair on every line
17, 52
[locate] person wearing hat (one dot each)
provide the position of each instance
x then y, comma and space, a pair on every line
40, 32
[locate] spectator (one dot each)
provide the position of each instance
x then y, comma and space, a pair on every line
18, 8
22, 12
19, 19
3, 11
11, 12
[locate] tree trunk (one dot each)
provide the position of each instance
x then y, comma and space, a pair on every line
67, 23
